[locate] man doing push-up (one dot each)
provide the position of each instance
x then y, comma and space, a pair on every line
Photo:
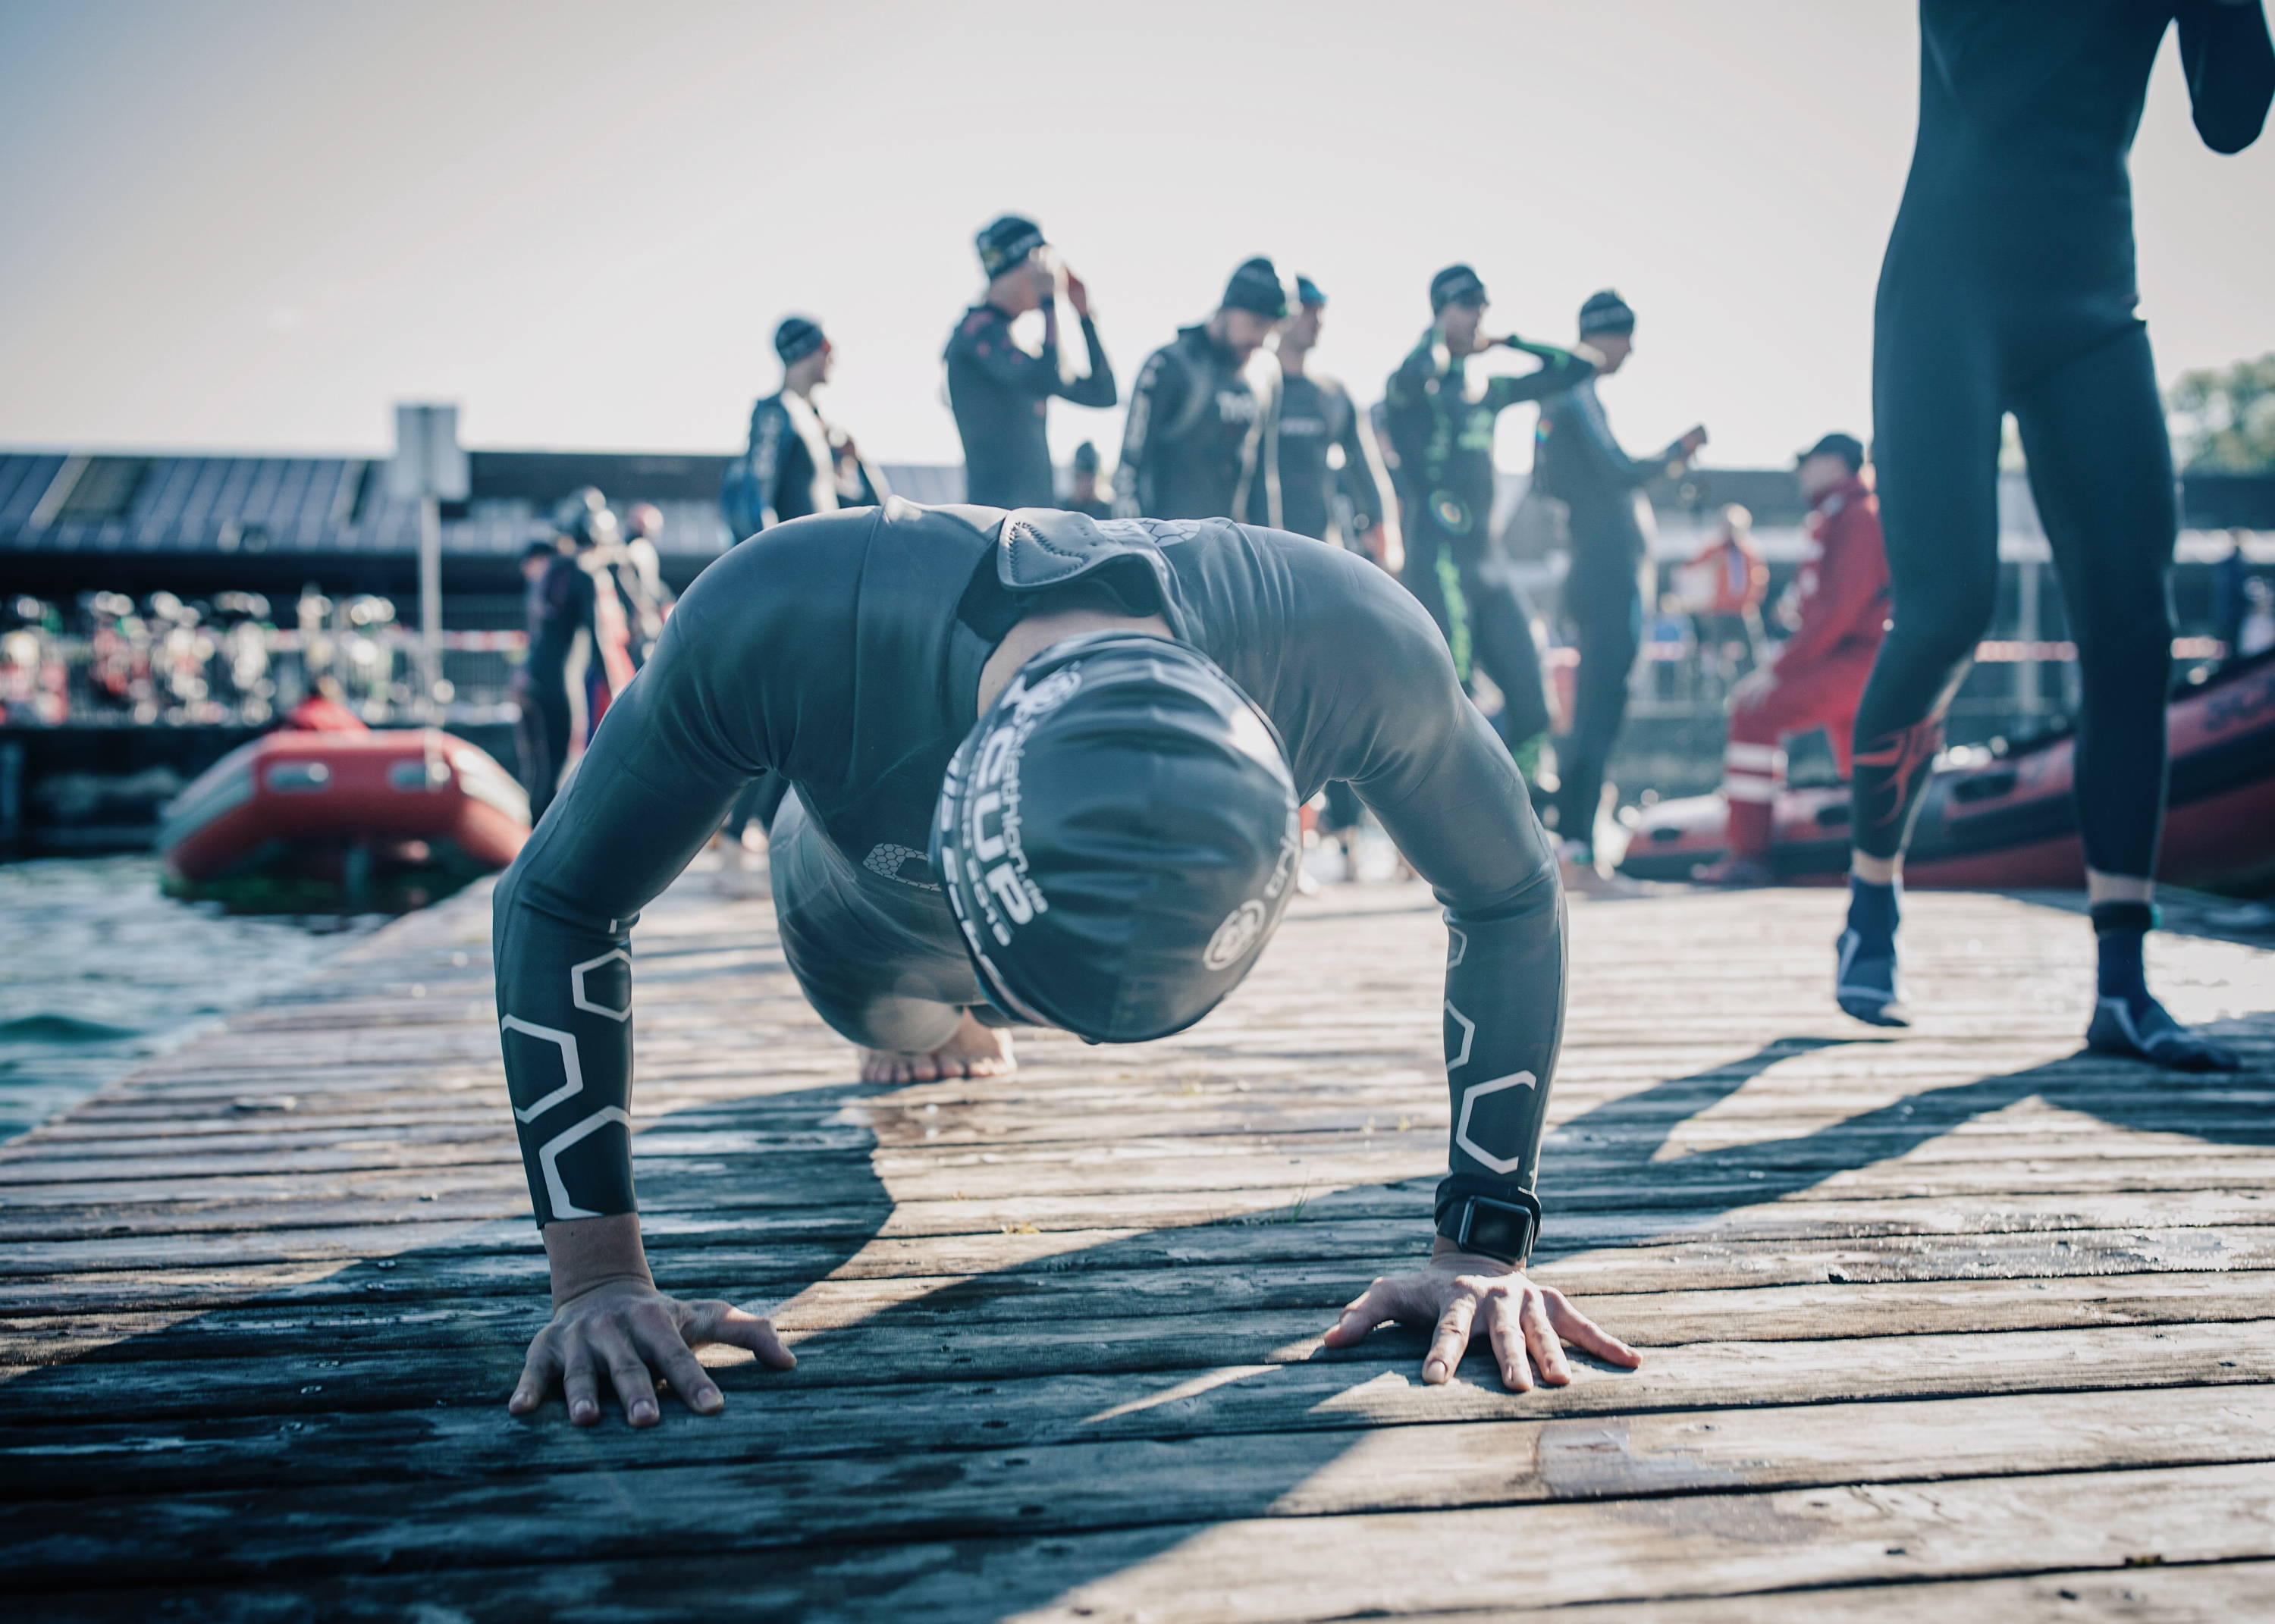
1048, 772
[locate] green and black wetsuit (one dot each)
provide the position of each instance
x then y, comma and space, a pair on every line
1441, 427
845, 652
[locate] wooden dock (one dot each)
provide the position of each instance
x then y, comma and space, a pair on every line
1951, 1323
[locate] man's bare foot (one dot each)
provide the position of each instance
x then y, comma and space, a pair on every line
972, 1051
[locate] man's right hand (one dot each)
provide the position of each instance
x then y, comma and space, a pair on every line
626, 1332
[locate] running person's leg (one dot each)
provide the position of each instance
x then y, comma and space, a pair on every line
2101, 470
1937, 422
867, 962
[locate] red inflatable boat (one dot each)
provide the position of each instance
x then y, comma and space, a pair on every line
306, 821
2005, 819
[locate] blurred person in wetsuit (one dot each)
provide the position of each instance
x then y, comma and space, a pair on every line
796, 462
1441, 423
1086, 496
999, 392
1841, 600
2010, 285
551, 687
1319, 471
1188, 443
1577, 461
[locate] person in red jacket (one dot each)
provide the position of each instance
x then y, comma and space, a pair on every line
1818, 676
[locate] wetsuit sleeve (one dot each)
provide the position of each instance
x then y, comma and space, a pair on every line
1436, 775
1098, 389
709, 711
2231, 68
1590, 431
1560, 370
1156, 398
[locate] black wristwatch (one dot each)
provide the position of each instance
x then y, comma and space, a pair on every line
1502, 1226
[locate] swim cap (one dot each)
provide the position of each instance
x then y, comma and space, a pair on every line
797, 337
1605, 311
1005, 241
1086, 459
1456, 283
1307, 292
1118, 837
1256, 286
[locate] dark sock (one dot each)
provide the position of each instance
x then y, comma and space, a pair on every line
1864, 978
1873, 910
2119, 930
2126, 1019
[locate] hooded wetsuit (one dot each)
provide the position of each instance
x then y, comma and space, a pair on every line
2009, 285
845, 652
1441, 427
1188, 442
1000, 396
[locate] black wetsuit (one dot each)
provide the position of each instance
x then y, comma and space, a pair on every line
1001, 395
1577, 460
2009, 285
1441, 427
845, 652
790, 469
1307, 421
1188, 445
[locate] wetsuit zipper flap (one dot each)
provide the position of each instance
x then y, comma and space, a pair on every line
1041, 548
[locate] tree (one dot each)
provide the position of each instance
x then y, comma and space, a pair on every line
2223, 417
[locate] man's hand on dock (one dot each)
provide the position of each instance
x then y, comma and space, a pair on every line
634, 1335
609, 1319
1530, 1324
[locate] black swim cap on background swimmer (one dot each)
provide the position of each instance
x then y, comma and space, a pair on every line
1605, 311
1118, 837
1006, 241
797, 337
1256, 286
1456, 283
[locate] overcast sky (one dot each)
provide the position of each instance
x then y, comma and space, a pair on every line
237, 225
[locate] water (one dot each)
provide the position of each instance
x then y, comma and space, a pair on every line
98, 972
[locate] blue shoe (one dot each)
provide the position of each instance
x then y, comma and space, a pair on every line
2140, 1029
1864, 981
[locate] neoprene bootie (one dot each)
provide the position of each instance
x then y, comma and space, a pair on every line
1864, 981
2126, 1019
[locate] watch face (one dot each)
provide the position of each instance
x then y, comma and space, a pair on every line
1498, 1229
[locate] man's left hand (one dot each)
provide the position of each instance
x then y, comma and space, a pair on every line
1529, 1323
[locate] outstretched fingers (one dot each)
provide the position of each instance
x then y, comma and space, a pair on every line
1377, 1304
1541, 1341
1585, 1335
538, 1374
1508, 1341
1451, 1341
628, 1373
714, 1321
660, 1343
